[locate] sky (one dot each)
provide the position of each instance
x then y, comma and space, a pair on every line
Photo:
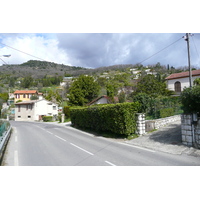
94, 50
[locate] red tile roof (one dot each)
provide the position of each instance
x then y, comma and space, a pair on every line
25, 92
183, 75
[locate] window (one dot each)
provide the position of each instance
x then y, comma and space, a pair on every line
177, 86
29, 116
19, 116
54, 107
24, 95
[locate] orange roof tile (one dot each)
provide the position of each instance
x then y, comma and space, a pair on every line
25, 92
183, 75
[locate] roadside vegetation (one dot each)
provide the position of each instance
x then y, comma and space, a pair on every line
121, 83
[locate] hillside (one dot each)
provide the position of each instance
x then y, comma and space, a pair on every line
38, 69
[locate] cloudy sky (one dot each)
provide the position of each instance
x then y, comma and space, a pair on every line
100, 49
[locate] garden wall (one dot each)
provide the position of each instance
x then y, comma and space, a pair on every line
190, 130
158, 123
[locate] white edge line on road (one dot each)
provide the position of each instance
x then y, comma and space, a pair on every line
15, 138
130, 145
81, 149
16, 162
60, 138
110, 163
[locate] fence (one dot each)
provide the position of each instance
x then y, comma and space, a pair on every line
5, 131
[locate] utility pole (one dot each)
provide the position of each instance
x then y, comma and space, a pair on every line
188, 49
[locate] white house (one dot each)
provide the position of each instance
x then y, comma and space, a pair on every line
178, 81
34, 110
102, 100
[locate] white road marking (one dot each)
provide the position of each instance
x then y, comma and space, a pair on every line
60, 138
130, 145
81, 149
44, 130
15, 138
110, 163
16, 162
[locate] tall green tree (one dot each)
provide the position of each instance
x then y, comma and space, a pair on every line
83, 90
152, 86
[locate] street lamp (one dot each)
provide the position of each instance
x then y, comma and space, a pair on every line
7, 56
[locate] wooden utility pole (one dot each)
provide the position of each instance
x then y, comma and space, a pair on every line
188, 48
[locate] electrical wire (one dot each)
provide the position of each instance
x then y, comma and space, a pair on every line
160, 50
23, 52
3, 61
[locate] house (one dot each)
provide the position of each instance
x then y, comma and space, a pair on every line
102, 100
176, 82
34, 110
25, 95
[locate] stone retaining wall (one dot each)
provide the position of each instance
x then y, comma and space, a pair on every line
190, 130
158, 123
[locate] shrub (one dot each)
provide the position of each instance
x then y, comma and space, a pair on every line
47, 118
117, 118
166, 112
66, 111
190, 99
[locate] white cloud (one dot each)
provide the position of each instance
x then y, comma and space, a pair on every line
38, 46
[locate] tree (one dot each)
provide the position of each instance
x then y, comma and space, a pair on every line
83, 90
197, 81
151, 85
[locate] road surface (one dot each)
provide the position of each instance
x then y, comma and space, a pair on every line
44, 144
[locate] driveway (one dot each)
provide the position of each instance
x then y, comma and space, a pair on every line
166, 139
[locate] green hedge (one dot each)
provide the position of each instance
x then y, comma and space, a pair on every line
166, 112
117, 118
47, 118
66, 111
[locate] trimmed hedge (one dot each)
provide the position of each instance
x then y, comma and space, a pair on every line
117, 118
47, 118
66, 111
166, 112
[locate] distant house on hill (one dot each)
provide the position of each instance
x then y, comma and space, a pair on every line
34, 110
176, 82
25, 95
102, 100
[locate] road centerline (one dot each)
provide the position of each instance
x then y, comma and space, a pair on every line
82, 149
60, 138
110, 163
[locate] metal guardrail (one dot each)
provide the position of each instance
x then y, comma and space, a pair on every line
5, 131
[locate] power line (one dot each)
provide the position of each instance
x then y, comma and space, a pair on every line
160, 50
23, 52
3, 61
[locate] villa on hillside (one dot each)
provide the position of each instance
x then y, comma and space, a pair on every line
102, 100
34, 110
178, 81
25, 95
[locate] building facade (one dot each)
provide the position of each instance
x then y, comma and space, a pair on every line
34, 110
25, 95
178, 81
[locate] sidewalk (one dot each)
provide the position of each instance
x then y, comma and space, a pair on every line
166, 139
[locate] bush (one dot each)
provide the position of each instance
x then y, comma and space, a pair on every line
166, 112
66, 111
47, 118
190, 99
117, 118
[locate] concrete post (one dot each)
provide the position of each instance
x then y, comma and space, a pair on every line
140, 123
62, 118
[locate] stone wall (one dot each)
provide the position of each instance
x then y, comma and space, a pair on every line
158, 123
190, 130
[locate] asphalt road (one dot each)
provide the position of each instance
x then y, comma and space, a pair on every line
44, 144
